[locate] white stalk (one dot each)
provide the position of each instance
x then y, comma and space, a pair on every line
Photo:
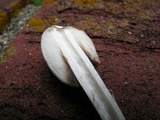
63, 46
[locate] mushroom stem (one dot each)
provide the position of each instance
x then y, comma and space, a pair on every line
89, 79
85, 73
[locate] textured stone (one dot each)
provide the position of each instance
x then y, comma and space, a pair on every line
126, 36
9, 9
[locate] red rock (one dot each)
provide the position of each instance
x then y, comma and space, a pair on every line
9, 9
129, 66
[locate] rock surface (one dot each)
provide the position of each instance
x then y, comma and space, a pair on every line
127, 39
15, 26
9, 9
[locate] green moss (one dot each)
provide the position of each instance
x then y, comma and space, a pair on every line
49, 3
16, 6
3, 20
86, 3
36, 24
91, 23
39, 25
10, 52
113, 8
37, 2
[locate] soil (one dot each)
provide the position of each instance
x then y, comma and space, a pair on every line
126, 37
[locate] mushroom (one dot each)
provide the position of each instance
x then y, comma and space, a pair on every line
70, 54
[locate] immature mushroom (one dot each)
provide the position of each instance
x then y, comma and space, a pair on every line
68, 52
